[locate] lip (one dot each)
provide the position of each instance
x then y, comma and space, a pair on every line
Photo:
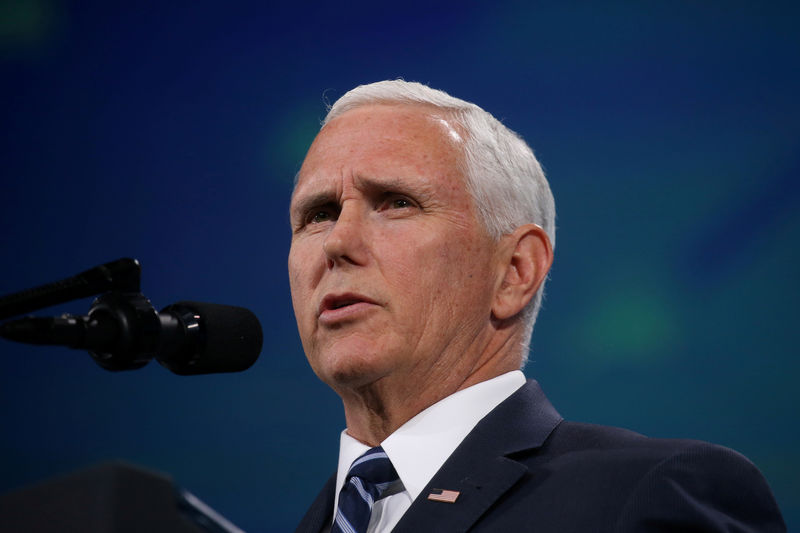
342, 306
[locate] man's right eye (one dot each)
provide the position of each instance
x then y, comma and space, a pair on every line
320, 215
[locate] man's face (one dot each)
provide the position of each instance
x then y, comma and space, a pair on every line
391, 274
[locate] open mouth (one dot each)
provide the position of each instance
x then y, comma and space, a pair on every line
339, 305
336, 302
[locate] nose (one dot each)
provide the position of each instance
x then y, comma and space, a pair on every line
345, 243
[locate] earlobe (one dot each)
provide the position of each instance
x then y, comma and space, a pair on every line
526, 258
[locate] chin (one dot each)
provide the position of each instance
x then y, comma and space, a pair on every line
350, 369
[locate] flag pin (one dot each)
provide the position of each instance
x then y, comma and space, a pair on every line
446, 496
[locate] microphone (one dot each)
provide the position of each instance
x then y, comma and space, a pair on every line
124, 332
203, 338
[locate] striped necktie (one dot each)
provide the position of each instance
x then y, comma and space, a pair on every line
367, 479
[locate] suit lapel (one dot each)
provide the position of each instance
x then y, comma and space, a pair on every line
320, 513
478, 490
480, 469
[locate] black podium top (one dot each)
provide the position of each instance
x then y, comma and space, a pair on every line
108, 498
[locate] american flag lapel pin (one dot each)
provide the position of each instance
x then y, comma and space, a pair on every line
441, 495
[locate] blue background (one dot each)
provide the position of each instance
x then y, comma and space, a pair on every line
171, 132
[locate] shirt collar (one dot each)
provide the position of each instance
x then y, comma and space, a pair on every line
420, 447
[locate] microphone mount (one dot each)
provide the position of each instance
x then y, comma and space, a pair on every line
123, 331
138, 329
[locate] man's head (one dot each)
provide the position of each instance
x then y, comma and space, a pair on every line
400, 282
504, 178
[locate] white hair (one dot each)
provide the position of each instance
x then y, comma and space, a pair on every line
506, 182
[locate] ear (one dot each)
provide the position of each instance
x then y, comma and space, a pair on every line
525, 258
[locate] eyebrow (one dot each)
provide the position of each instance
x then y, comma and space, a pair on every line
367, 184
311, 201
371, 185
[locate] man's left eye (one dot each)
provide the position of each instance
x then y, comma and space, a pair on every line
396, 201
400, 203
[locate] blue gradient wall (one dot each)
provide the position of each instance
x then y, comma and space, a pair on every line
669, 132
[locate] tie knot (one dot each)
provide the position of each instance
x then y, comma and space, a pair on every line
375, 468
366, 482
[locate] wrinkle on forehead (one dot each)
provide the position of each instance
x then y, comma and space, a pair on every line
397, 130
316, 193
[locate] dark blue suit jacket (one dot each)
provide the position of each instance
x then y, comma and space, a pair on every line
525, 469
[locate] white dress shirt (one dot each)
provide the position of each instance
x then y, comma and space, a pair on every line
420, 447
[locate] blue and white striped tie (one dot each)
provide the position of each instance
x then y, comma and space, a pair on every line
367, 479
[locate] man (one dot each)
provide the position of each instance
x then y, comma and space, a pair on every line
423, 231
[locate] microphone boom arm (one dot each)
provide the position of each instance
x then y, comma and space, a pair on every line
120, 275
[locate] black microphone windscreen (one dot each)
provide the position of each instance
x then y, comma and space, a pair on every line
232, 339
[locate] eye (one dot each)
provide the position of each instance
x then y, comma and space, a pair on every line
319, 215
397, 201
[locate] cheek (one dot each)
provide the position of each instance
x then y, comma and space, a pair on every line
300, 289
437, 274
299, 283
295, 276
464, 274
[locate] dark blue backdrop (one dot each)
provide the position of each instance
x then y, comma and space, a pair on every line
171, 133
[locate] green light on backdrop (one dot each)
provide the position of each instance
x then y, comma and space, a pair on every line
27, 23
634, 325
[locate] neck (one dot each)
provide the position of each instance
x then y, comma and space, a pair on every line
376, 410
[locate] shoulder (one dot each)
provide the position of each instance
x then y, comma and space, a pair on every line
646, 484
612, 447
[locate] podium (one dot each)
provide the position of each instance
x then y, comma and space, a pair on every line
113, 497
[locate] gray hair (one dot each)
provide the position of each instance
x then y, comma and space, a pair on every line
506, 182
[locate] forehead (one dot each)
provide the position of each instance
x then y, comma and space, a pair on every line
385, 141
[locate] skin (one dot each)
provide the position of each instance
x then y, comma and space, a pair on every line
401, 296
